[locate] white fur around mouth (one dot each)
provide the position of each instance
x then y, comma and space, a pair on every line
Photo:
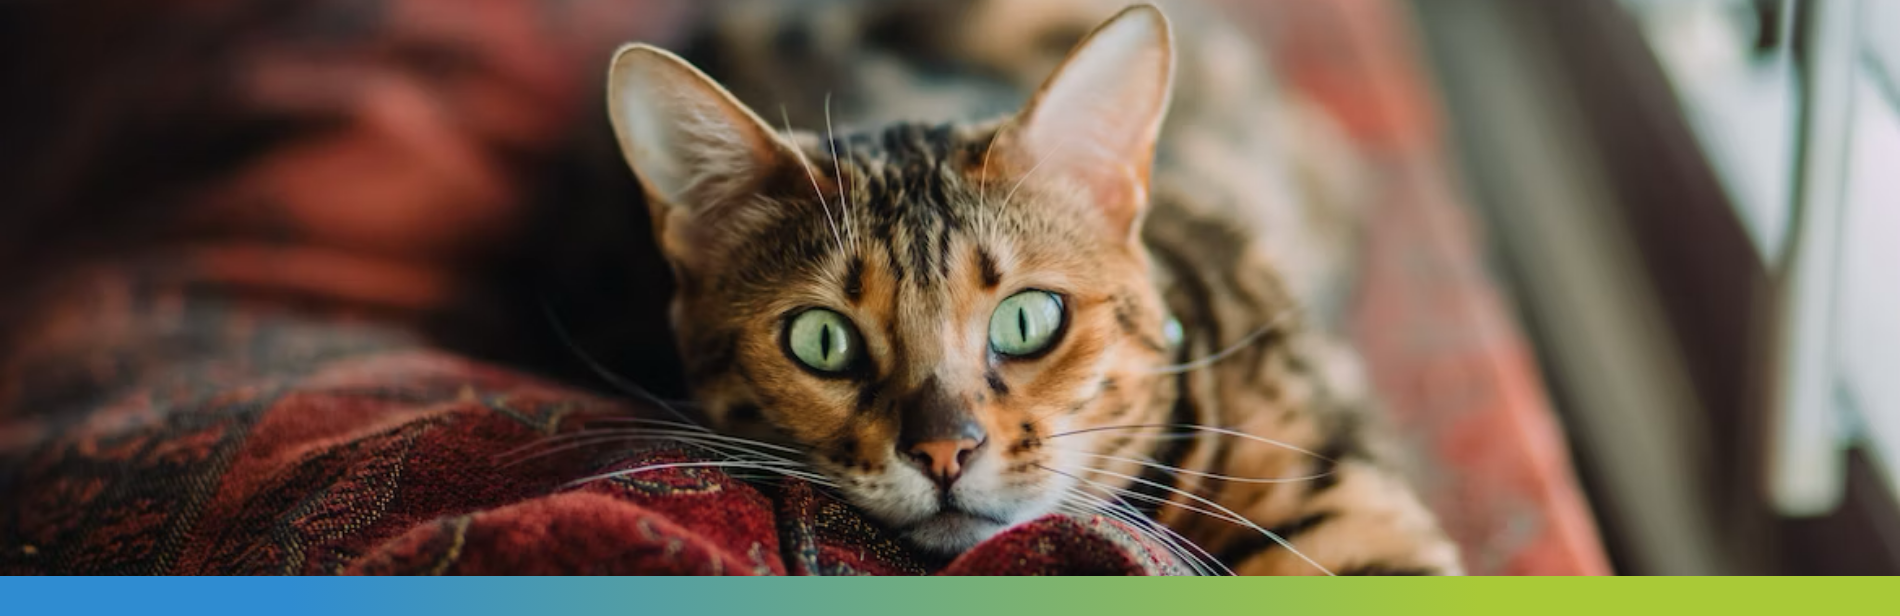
952, 531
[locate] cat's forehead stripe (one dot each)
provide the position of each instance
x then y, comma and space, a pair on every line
906, 190
854, 279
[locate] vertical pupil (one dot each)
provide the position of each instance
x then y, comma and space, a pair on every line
824, 341
1022, 323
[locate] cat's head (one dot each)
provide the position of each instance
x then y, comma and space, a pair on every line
937, 313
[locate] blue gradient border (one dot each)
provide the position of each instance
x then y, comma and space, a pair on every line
931, 596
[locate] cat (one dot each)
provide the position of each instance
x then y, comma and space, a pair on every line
966, 325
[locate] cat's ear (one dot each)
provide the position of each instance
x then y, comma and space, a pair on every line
696, 150
1094, 123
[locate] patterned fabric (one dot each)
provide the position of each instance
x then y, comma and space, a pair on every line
290, 445
252, 267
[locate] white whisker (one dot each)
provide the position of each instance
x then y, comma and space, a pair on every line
718, 436
811, 477
580, 441
1082, 510
642, 432
1112, 492
1007, 198
1194, 427
1177, 545
983, 173
650, 422
1147, 498
616, 380
1120, 509
1236, 347
1217, 506
813, 176
1176, 470
837, 170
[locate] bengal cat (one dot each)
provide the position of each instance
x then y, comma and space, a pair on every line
966, 325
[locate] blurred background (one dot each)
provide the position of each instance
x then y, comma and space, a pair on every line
1695, 208
1685, 212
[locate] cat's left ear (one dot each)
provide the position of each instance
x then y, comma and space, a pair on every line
1094, 123
700, 154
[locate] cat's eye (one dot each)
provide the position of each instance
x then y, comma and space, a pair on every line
1026, 324
823, 340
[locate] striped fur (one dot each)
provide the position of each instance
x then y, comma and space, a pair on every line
916, 230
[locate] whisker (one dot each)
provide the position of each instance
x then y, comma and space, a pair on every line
844, 206
756, 478
648, 422
1200, 428
983, 173
1122, 510
580, 435
806, 163
1192, 554
1176, 470
620, 382
1147, 498
1206, 560
1129, 512
591, 440
811, 477
1234, 516
559, 439
1064, 410
1236, 347
1007, 198
714, 435
573, 445
1082, 511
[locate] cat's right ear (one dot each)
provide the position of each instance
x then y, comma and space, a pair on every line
697, 151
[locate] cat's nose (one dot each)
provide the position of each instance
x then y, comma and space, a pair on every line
939, 433
943, 461
942, 450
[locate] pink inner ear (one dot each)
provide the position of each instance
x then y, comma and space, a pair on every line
1095, 122
684, 135
701, 153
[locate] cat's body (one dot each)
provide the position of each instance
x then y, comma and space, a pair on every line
968, 324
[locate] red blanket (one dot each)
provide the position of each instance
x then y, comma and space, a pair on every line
280, 444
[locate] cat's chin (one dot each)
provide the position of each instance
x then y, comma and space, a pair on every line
951, 532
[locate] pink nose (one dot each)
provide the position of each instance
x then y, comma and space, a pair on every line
943, 460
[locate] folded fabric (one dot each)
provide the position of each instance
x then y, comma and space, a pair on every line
353, 454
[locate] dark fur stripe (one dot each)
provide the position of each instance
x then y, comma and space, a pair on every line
1170, 454
996, 383
987, 266
1125, 317
1254, 545
1342, 444
854, 280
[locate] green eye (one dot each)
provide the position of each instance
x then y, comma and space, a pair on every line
1026, 323
823, 340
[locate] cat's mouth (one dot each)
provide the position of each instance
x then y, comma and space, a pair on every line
952, 529
954, 514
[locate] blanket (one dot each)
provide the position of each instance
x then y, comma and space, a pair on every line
281, 444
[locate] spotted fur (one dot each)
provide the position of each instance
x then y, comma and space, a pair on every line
915, 230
